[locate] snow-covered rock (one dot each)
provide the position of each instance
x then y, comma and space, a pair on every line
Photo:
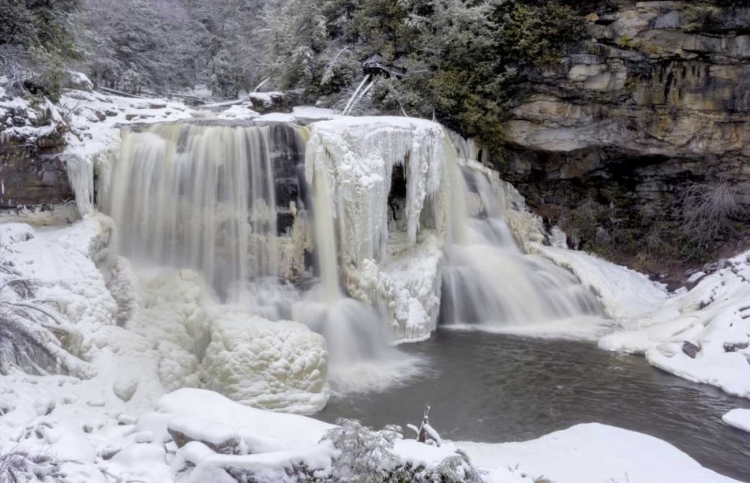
739, 418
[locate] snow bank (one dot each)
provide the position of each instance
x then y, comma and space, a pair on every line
11, 233
589, 453
739, 418
702, 334
585, 453
63, 262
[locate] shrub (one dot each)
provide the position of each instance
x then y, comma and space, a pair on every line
709, 211
364, 454
697, 16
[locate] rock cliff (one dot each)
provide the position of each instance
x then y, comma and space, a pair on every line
654, 98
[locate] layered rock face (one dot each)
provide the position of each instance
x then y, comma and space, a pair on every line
31, 169
634, 112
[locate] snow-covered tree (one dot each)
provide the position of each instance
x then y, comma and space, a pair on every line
364, 455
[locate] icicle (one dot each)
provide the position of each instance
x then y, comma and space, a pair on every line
81, 177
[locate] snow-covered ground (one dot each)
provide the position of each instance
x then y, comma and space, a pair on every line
197, 436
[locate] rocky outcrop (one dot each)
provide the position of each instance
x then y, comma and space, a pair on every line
31, 140
634, 112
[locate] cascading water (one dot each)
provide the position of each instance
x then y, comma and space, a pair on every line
205, 197
488, 279
217, 199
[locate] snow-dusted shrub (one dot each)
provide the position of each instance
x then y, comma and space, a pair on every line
30, 332
454, 469
18, 466
365, 455
14, 466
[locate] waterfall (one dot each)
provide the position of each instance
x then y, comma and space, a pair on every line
405, 228
488, 279
204, 197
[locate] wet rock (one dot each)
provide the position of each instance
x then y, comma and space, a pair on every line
690, 349
735, 347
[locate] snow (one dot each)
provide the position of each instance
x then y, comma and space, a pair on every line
584, 453
311, 113
739, 418
289, 431
589, 453
238, 112
276, 117
11, 233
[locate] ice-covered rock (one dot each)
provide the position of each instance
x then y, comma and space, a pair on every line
357, 158
273, 365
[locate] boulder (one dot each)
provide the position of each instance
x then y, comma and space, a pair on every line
691, 350
220, 438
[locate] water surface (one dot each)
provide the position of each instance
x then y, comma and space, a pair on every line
496, 388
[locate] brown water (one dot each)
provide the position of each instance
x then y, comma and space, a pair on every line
497, 388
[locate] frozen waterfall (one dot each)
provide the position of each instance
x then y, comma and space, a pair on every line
405, 226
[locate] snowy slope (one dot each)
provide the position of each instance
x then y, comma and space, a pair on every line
590, 453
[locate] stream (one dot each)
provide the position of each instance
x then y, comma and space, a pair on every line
497, 388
